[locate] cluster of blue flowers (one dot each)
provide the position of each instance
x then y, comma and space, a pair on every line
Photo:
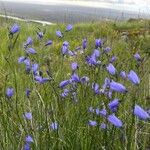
69, 86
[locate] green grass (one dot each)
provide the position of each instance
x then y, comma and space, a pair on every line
47, 106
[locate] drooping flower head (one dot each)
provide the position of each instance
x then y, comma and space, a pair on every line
113, 105
141, 113
29, 139
31, 51
96, 53
35, 68
27, 146
14, 29
95, 87
137, 56
69, 27
132, 76
107, 50
84, 43
117, 87
115, 121
27, 92
103, 126
29, 41
21, 59
98, 43
75, 78
54, 126
59, 34
74, 66
65, 93
123, 74
64, 83
111, 69
113, 59
92, 123
9, 92
49, 42
40, 79
40, 35
28, 115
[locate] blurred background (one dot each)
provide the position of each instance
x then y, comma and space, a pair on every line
73, 11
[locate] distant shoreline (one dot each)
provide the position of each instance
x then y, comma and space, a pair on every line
28, 20
65, 13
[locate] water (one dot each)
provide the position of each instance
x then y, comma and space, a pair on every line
138, 6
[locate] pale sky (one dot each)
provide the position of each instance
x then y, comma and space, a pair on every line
125, 1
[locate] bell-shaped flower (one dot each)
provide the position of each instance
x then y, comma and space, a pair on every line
141, 113
113, 59
111, 69
95, 87
74, 66
54, 126
75, 78
132, 76
98, 43
14, 29
49, 42
28, 116
137, 56
64, 83
107, 50
59, 34
29, 139
84, 43
117, 87
92, 123
115, 121
113, 105
31, 51
69, 27
123, 74
9, 92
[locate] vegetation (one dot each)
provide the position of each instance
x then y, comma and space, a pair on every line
35, 110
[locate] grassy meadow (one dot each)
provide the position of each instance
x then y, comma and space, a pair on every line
73, 121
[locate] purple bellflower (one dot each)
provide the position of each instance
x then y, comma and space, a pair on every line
113, 105
84, 43
54, 126
117, 87
59, 34
112, 59
141, 113
49, 42
27, 92
9, 92
21, 59
132, 76
98, 43
14, 29
64, 83
31, 51
123, 75
111, 69
95, 87
74, 66
29, 139
69, 27
115, 121
92, 123
107, 50
28, 116
137, 56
